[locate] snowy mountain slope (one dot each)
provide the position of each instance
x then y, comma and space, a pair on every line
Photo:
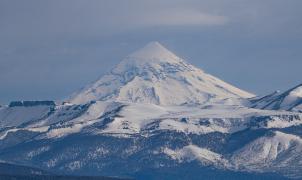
155, 75
126, 119
99, 135
192, 152
290, 100
61, 120
103, 154
16, 116
276, 151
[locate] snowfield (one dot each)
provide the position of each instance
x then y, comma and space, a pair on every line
120, 119
191, 152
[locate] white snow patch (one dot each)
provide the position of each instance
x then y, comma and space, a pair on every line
33, 129
38, 151
74, 165
192, 152
98, 152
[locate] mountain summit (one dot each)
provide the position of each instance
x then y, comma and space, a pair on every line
153, 74
154, 50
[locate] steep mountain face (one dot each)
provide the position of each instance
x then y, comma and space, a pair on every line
154, 116
290, 100
155, 75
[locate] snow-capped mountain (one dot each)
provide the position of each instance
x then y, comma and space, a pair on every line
290, 100
155, 75
154, 116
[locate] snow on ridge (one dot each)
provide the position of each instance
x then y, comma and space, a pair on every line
192, 152
293, 97
144, 119
297, 91
274, 150
290, 100
125, 118
12, 130
76, 125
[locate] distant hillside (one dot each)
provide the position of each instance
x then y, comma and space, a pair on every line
12, 169
17, 172
49, 177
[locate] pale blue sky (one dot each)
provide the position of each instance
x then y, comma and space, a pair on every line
49, 49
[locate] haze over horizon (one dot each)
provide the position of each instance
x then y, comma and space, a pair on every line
50, 49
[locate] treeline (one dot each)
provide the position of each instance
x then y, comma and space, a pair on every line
50, 177
31, 103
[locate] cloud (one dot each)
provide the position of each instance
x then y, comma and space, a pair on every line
178, 17
49, 18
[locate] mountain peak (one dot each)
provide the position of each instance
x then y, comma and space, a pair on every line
154, 45
152, 56
153, 74
153, 51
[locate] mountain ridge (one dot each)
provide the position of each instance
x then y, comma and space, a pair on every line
290, 100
